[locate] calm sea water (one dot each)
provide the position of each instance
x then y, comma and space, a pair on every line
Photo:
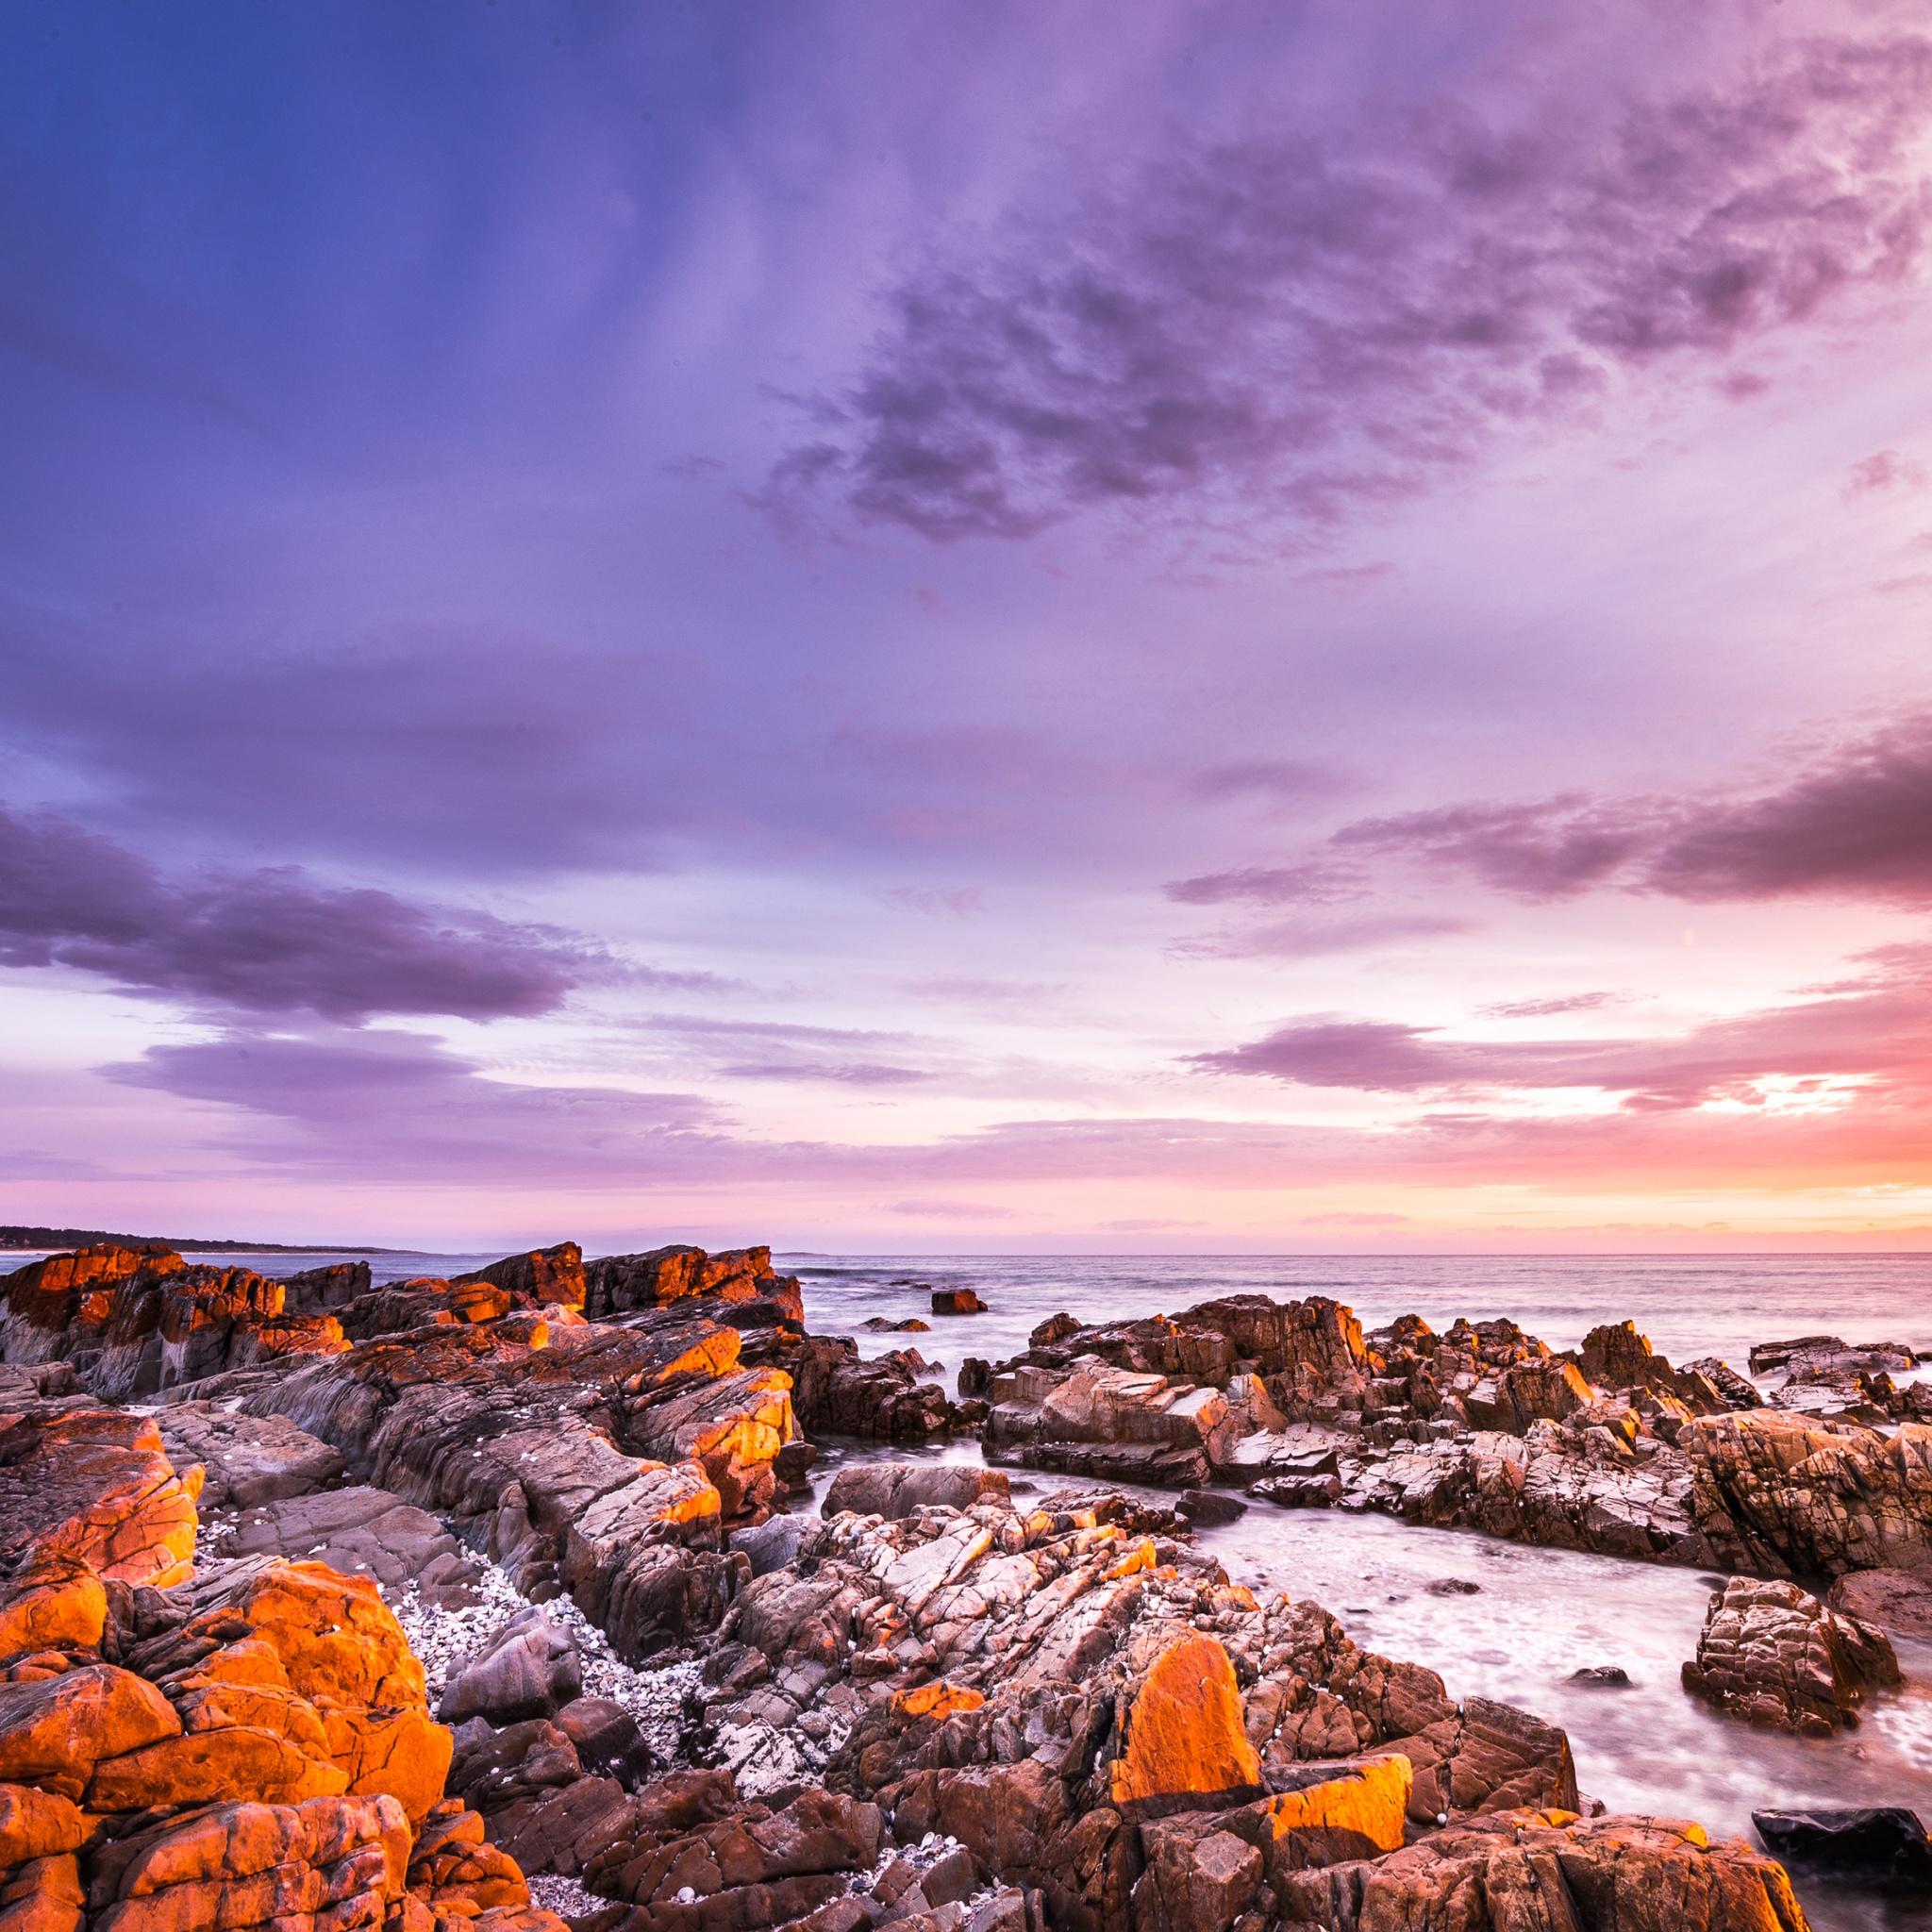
1539, 1615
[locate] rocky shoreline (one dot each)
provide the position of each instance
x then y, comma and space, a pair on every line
334, 1605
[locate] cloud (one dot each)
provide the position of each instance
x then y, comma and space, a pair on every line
380, 1107
1287, 328
1148, 1227
1287, 779
1857, 823
1550, 850
1877, 1030
1312, 940
953, 1211
1293, 885
265, 942
1542, 1009
1884, 471
1355, 1220
961, 901
789, 1051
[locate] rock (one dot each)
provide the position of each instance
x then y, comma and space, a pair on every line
605, 1738
1830, 1351
911, 1326
1895, 1600
545, 1274
1205, 1870
55, 1602
40, 1303
1187, 1745
95, 1487
896, 1489
1205, 1508
1634, 1873
301, 1658
1602, 1677
40, 1824
527, 1667
1452, 1585
1779, 1495
752, 1866
956, 1301
55, 1731
834, 1391
1780, 1659
1726, 1381
792, 1466
771, 1545
246, 1459
1886, 1844
1054, 1328
1299, 1492
360, 1532
669, 1274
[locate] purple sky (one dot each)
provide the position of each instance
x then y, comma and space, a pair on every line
1232, 626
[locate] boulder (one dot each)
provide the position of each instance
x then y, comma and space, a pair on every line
527, 1667
1551, 1869
309, 1664
94, 1487
956, 1301
1186, 1743
55, 1731
1895, 1600
1779, 1495
1780, 1659
836, 1393
1885, 1846
246, 1460
360, 1531
543, 1276
618, 1283
896, 1489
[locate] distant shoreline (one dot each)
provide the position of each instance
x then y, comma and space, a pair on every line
26, 1239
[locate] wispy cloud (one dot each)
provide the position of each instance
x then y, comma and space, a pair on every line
1291, 326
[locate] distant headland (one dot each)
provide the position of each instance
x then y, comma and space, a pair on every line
95, 1236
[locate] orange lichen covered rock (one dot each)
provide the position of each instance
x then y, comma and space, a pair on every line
314, 1667
201, 1766
53, 1732
43, 1895
58, 1603
939, 1699
1184, 1733
1352, 1810
327, 1865
94, 1487
39, 1824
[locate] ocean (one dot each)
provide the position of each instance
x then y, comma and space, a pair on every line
1537, 1615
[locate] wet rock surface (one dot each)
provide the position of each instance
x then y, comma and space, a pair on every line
1773, 1656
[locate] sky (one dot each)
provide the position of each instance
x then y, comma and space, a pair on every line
1226, 625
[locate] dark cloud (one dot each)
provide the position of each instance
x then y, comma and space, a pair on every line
1878, 1029
1294, 326
266, 941
1857, 823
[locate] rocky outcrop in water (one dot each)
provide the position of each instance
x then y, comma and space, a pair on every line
1779, 1659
